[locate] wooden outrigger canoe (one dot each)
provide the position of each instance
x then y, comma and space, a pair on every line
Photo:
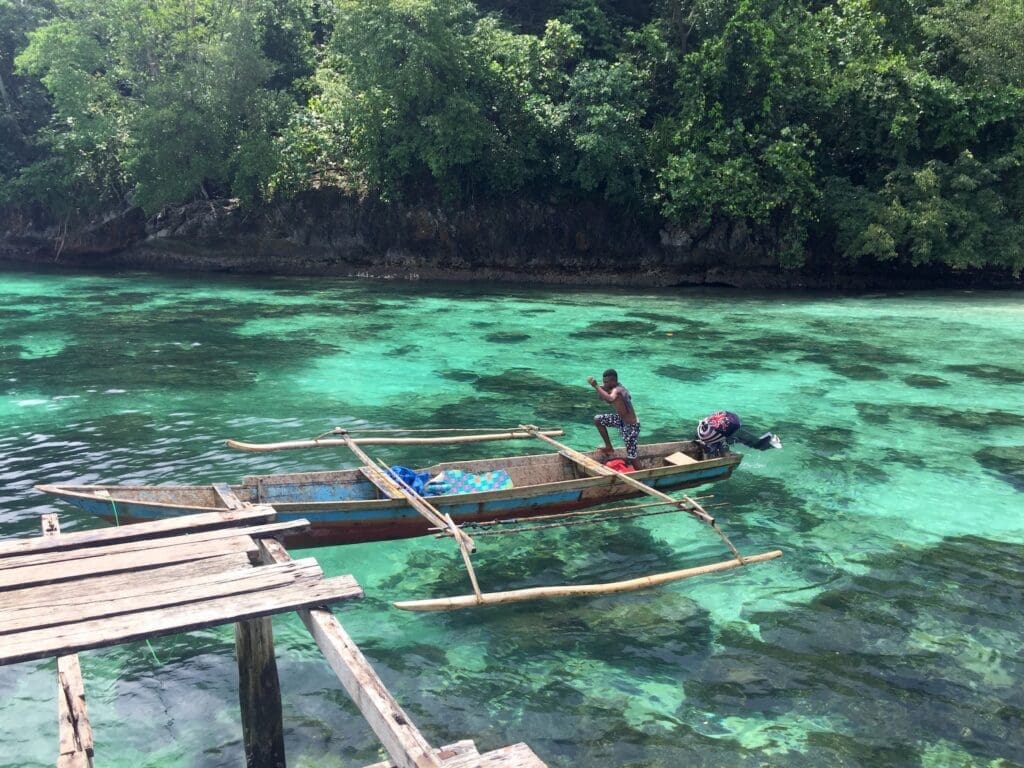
346, 506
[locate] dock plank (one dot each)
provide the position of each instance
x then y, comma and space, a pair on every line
71, 694
66, 556
38, 575
135, 531
153, 593
115, 584
100, 633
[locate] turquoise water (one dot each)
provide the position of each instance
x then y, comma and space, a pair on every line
888, 635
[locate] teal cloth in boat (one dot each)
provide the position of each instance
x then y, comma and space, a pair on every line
453, 481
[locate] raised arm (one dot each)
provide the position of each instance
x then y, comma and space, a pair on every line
609, 397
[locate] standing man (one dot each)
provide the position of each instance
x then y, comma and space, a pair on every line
624, 418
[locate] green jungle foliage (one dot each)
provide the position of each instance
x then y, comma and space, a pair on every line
881, 129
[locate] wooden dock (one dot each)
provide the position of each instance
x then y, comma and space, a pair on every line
61, 594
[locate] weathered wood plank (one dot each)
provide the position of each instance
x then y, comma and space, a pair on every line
515, 756
135, 531
402, 740
67, 556
118, 583
150, 593
129, 561
259, 694
46, 643
71, 692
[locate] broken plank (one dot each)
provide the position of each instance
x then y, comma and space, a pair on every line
403, 741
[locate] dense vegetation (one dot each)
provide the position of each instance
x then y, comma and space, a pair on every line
890, 129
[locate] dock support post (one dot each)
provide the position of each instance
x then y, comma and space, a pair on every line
259, 693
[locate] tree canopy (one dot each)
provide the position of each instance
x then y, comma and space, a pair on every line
875, 129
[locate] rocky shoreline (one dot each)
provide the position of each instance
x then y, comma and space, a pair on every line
326, 233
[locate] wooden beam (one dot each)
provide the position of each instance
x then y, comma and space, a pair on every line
580, 590
402, 740
259, 694
75, 732
136, 531
336, 443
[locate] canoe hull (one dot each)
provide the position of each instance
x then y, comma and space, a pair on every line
349, 512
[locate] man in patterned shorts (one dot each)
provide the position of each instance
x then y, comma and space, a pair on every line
624, 418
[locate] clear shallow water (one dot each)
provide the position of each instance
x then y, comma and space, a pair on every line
888, 635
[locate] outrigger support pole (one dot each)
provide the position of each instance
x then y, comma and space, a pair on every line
595, 467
